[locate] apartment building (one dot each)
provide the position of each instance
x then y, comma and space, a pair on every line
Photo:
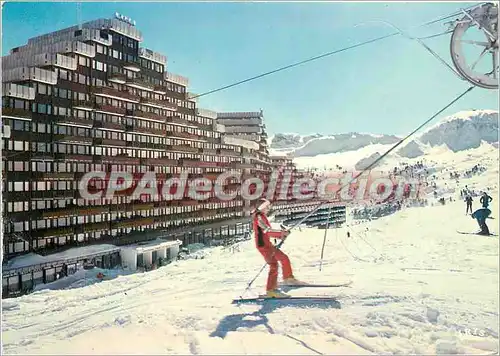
93, 98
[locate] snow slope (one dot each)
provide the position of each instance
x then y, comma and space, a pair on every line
419, 287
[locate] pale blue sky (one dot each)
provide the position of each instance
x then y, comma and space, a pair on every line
385, 87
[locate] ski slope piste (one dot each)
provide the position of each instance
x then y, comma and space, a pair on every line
418, 287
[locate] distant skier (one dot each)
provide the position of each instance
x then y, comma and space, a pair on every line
481, 215
485, 200
468, 200
263, 232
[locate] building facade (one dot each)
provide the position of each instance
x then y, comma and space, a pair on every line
94, 99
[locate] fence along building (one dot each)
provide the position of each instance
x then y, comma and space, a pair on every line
80, 100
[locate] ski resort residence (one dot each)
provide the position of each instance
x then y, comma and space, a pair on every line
93, 98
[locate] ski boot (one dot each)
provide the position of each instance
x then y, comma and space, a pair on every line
276, 294
292, 281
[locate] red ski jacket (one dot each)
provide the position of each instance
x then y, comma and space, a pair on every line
263, 231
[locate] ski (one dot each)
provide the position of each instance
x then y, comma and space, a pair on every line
475, 233
261, 299
313, 285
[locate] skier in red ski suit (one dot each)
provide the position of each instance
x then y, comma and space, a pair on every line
263, 233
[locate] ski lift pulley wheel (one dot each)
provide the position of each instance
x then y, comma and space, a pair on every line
484, 18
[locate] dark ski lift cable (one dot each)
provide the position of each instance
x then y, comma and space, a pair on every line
396, 145
332, 53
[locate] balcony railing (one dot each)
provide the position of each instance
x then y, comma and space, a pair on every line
152, 56
115, 93
109, 125
162, 104
183, 148
160, 89
176, 120
117, 78
117, 26
160, 162
95, 35
123, 160
175, 78
150, 130
70, 120
239, 121
140, 84
56, 60
26, 74
83, 104
109, 142
132, 66
110, 109
17, 113
146, 115
183, 135
18, 91
76, 139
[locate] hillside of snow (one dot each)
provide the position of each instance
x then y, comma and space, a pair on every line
461, 131
313, 145
418, 287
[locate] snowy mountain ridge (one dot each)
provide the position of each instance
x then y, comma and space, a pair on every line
463, 130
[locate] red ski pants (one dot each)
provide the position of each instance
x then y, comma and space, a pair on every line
272, 256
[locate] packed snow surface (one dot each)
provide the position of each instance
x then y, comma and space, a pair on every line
418, 287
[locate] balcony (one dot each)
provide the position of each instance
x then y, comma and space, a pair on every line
149, 130
184, 162
70, 121
17, 113
24, 74
180, 134
57, 213
76, 139
183, 148
139, 84
117, 78
208, 151
161, 104
160, 89
160, 162
55, 60
109, 125
176, 120
132, 66
118, 26
122, 159
152, 56
77, 158
18, 91
91, 210
225, 152
145, 115
95, 35
110, 109
78, 48
256, 121
175, 78
116, 94
96, 226
53, 232
83, 105
108, 142
133, 222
